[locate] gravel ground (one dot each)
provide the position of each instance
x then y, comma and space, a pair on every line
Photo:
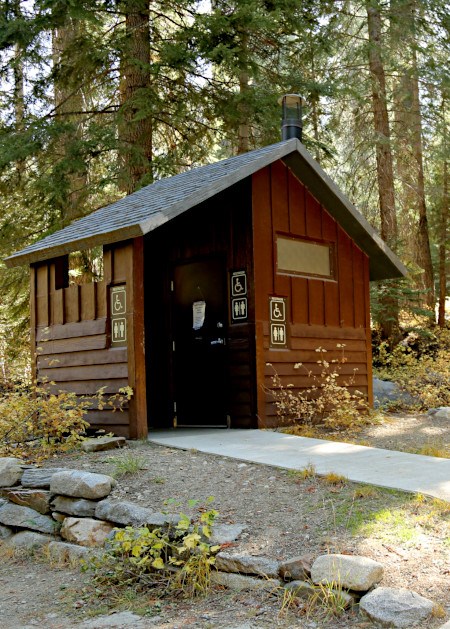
284, 515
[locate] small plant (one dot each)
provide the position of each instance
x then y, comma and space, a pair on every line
324, 402
435, 449
307, 472
366, 491
177, 559
329, 600
335, 479
128, 463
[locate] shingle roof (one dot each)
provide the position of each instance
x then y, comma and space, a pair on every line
154, 205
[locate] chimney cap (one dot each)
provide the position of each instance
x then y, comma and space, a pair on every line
291, 100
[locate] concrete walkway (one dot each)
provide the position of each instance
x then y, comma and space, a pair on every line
385, 468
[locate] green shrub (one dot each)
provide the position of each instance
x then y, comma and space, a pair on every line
324, 402
423, 370
36, 423
177, 560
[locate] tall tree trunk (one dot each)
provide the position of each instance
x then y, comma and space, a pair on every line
136, 130
69, 99
385, 171
19, 102
443, 226
244, 123
409, 150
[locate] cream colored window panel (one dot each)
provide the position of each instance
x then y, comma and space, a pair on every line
303, 257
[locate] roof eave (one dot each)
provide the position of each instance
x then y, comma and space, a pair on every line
41, 255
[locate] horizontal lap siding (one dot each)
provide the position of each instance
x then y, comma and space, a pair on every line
72, 343
320, 313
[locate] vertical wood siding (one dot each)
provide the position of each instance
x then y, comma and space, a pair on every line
71, 340
321, 313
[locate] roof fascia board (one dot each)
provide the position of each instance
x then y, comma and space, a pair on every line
40, 255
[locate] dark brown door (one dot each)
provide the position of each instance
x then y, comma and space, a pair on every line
200, 351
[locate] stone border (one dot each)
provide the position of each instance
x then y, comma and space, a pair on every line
70, 512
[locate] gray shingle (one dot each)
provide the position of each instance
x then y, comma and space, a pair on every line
154, 205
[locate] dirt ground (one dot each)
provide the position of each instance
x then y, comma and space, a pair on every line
284, 514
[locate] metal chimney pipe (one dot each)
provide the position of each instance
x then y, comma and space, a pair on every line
291, 123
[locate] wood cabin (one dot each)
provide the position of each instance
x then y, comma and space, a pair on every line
208, 276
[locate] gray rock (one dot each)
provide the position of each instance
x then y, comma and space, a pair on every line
351, 572
27, 540
118, 621
296, 568
74, 506
301, 589
130, 514
85, 531
102, 443
385, 391
5, 532
242, 582
78, 484
226, 533
391, 607
443, 412
39, 477
59, 517
10, 471
26, 518
37, 499
246, 564
446, 626
62, 552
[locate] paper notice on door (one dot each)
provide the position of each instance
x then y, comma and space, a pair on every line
198, 314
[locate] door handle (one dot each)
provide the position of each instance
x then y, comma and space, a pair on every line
218, 342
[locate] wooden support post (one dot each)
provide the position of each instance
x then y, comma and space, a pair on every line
136, 346
33, 322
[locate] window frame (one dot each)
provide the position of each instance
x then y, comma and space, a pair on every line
313, 241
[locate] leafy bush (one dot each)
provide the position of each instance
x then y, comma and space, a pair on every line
324, 402
36, 423
176, 560
419, 367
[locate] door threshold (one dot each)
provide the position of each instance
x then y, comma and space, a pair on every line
223, 426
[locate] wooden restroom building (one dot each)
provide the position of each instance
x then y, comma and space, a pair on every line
207, 277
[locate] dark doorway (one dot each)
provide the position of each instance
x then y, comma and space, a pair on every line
200, 351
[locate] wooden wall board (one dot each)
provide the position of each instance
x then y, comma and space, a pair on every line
92, 357
90, 387
72, 303
88, 301
84, 372
77, 344
323, 312
72, 330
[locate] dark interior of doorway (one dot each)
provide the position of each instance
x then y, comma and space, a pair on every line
199, 333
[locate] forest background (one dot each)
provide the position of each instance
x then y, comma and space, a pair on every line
101, 97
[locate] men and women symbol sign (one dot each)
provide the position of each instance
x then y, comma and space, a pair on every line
278, 335
239, 311
118, 315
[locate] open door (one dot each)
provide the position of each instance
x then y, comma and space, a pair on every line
199, 350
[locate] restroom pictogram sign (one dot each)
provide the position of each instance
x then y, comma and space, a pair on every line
278, 327
118, 304
239, 303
